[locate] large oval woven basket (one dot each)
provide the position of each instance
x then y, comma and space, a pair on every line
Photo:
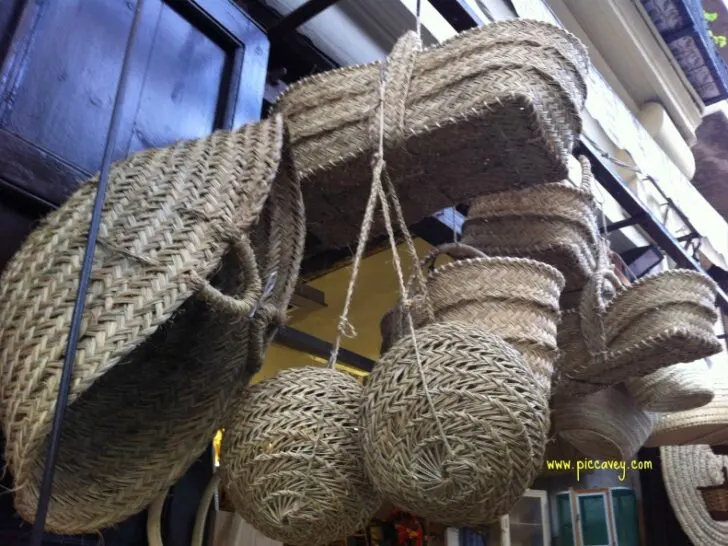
516, 299
167, 334
471, 113
468, 455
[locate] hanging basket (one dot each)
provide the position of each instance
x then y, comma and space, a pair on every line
661, 320
606, 425
494, 419
467, 117
554, 223
167, 335
515, 299
675, 388
705, 425
291, 460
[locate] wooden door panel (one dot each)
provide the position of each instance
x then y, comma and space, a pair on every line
61, 97
181, 93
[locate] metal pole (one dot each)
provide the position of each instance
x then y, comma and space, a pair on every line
78, 308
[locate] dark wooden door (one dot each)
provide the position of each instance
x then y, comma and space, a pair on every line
196, 66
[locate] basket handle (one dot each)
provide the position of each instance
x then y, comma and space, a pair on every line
247, 304
456, 250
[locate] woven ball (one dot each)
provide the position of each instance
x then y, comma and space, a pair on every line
291, 458
493, 414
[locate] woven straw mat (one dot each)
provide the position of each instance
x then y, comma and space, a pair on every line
155, 366
467, 117
684, 469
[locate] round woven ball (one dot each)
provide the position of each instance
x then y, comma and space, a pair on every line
494, 418
280, 479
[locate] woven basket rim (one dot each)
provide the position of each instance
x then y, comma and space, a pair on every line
662, 277
318, 78
525, 264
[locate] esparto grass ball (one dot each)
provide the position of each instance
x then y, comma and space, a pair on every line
291, 459
494, 420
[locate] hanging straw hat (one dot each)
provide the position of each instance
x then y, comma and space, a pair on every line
490, 106
685, 469
177, 317
604, 425
675, 388
705, 425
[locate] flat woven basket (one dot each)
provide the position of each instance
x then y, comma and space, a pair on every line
705, 425
161, 349
291, 459
661, 320
494, 105
555, 223
676, 388
684, 470
605, 425
494, 419
516, 299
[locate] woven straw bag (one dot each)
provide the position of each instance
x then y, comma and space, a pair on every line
686, 470
555, 223
661, 320
675, 388
472, 459
455, 116
604, 425
167, 335
516, 299
705, 425
291, 457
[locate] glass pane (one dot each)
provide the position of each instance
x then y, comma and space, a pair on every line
566, 526
625, 517
593, 512
526, 523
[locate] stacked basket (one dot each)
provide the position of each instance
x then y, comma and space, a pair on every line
490, 108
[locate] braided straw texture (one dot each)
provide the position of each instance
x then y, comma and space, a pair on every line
515, 299
661, 320
684, 470
676, 388
495, 104
604, 425
705, 425
155, 365
555, 223
280, 478
494, 417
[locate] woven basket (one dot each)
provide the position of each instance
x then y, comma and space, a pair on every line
705, 425
675, 388
515, 299
661, 320
605, 425
161, 350
291, 460
685, 469
462, 119
494, 419
554, 223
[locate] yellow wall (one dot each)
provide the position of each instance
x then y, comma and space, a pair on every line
376, 292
